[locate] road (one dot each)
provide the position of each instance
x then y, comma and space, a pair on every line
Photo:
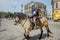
9, 31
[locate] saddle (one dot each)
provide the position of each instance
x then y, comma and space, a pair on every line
34, 24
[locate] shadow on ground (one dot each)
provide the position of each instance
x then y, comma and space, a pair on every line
3, 30
36, 37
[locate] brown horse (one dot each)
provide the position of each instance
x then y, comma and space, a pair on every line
27, 25
39, 25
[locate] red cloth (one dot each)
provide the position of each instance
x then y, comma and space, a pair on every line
32, 16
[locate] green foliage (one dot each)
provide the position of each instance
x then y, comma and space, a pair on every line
9, 14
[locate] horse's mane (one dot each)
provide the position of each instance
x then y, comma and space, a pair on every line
21, 15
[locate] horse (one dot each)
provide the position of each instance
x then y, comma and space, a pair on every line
28, 26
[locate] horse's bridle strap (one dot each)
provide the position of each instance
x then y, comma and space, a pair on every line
24, 23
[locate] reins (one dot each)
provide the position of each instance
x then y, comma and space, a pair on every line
24, 23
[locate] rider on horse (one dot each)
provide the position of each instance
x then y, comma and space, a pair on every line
36, 12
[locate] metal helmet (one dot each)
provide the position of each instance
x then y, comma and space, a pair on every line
32, 4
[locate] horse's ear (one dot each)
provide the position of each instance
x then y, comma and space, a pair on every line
29, 17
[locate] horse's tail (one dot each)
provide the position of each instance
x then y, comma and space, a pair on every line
49, 31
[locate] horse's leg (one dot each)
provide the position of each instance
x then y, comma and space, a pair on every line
16, 22
41, 33
46, 26
48, 31
26, 34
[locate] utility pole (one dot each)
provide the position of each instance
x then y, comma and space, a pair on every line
22, 8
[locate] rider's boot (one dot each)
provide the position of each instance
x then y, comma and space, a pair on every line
34, 20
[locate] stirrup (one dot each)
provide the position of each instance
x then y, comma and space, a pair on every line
35, 24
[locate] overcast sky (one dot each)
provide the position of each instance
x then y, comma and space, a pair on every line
15, 5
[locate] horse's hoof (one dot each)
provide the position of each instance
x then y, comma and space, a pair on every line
48, 35
29, 37
26, 37
15, 24
39, 38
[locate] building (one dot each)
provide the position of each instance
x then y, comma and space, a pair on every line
55, 9
28, 8
55, 5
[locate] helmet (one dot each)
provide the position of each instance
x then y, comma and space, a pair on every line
32, 4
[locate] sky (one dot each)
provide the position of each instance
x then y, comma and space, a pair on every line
15, 5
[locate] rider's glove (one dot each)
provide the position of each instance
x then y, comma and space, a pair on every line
34, 13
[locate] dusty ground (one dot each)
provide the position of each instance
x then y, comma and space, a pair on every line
9, 31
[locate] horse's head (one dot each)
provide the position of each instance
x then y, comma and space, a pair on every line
21, 16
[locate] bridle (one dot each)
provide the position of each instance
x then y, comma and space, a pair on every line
24, 23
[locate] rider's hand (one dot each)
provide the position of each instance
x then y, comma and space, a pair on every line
34, 13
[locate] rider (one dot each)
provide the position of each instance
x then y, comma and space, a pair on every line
34, 13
